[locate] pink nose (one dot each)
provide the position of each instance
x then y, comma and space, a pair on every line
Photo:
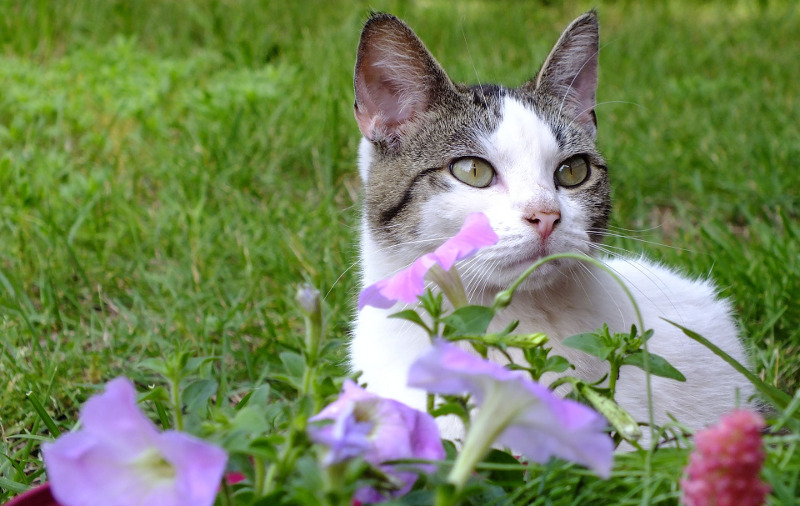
544, 222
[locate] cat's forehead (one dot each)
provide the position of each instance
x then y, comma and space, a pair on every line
521, 135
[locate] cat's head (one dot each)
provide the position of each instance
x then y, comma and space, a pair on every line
435, 151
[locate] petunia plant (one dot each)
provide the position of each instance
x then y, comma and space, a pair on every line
302, 430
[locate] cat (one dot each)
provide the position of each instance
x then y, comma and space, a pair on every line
434, 151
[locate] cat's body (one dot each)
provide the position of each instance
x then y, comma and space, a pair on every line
533, 169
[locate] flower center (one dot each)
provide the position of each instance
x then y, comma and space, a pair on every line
152, 466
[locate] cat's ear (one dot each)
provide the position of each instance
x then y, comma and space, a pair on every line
570, 71
396, 78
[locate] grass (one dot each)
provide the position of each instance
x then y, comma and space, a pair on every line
170, 171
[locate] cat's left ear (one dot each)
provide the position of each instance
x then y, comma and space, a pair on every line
396, 79
570, 71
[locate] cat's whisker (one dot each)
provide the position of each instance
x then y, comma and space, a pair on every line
637, 239
477, 78
632, 230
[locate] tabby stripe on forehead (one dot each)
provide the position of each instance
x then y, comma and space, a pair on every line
390, 214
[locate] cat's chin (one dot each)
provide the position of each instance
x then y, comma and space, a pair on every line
542, 278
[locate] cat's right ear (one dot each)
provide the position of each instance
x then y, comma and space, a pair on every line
396, 79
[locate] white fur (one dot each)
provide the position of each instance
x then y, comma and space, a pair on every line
559, 300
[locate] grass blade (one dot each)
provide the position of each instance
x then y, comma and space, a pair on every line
779, 398
51, 425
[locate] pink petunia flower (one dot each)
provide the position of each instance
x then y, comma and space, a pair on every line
408, 284
379, 430
724, 466
513, 411
119, 458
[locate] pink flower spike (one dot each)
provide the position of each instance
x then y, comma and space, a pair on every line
408, 284
724, 467
120, 458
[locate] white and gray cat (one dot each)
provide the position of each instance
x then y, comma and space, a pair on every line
434, 151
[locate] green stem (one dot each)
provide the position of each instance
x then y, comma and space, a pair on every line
484, 430
263, 476
176, 402
612, 376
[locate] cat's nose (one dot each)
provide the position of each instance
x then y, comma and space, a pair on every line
544, 223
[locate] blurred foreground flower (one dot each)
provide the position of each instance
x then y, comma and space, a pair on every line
724, 466
378, 430
513, 411
408, 284
119, 458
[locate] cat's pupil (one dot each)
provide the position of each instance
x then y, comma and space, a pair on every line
572, 172
472, 171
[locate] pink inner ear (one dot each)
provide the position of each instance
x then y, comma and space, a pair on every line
582, 96
384, 102
387, 97
395, 80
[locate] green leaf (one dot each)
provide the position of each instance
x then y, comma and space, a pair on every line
658, 365
556, 363
468, 320
293, 363
197, 393
156, 365
510, 474
158, 393
450, 408
412, 316
590, 343
195, 363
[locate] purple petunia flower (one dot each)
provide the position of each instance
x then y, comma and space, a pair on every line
119, 458
514, 411
379, 430
408, 284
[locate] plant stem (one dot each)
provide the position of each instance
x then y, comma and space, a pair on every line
176, 402
483, 431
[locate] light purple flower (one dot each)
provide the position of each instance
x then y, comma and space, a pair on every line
379, 430
514, 411
119, 458
408, 284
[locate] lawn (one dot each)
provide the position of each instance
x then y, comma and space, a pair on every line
170, 172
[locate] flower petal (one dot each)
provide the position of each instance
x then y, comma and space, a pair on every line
114, 418
198, 465
449, 370
476, 233
408, 284
405, 286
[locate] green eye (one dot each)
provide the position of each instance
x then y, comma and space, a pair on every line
572, 172
472, 171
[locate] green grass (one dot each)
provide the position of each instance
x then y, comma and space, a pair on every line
170, 171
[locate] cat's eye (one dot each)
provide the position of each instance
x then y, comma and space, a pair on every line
572, 172
472, 171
